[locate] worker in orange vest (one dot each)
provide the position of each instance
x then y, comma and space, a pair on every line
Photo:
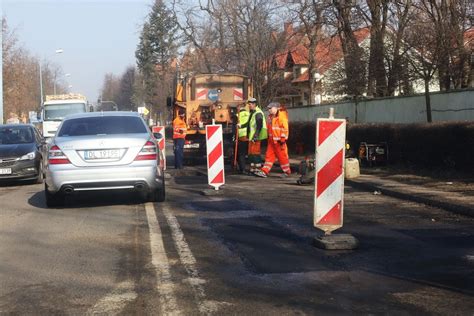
277, 136
179, 134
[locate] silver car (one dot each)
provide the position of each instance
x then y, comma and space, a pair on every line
103, 151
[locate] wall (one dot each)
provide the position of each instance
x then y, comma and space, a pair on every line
446, 106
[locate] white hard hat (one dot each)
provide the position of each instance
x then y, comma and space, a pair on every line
273, 105
252, 100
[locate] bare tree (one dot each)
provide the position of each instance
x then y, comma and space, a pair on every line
425, 55
401, 13
21, 77
355, 66
311, 16
238, 36
110, 92
195, 27
449, 20
376, 15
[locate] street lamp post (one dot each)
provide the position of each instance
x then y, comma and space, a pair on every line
58, 51
66, 75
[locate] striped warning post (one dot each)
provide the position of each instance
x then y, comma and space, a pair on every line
161, 144
329, 180
215, 156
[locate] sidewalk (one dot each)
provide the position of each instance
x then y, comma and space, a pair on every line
456, 196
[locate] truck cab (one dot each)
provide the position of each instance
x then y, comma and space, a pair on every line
57, 107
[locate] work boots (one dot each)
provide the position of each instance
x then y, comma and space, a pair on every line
260, 173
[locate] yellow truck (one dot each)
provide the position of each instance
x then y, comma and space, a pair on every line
209, 98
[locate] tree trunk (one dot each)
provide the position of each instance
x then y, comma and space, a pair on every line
428, 101
377, 72
354, 65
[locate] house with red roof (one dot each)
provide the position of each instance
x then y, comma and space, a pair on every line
293, 63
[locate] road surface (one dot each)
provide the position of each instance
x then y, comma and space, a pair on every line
246, 251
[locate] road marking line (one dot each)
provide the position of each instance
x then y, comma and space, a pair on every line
114, 302
160, 261
189, 262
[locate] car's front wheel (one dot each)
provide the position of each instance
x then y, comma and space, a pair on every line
53, 199
40, 177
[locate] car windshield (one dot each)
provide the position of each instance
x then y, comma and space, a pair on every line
60, 111
16, 135
105, 125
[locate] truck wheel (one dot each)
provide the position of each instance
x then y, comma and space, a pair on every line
53, 199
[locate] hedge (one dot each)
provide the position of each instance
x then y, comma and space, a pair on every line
436, 145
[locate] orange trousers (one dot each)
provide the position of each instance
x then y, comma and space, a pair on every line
276, 151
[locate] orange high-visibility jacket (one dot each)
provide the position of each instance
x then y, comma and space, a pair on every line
278, 127
179, 128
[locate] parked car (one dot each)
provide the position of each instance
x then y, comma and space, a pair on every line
103, 151
21, 153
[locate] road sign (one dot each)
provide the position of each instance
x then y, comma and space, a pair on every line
33, 117
143, 110
215, 156
161, 143
213, 95
238, 94
201, 94
329, 180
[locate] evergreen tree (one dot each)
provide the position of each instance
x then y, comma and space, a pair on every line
158, 45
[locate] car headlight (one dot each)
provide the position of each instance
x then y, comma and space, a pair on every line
29, 156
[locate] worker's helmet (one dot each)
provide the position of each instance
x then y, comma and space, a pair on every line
273, 105
252, 100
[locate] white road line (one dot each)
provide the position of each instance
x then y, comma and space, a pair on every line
160, 261
189, 262
114, 302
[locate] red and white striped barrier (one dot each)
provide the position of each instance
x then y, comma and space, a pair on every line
329, 180
161, 143
215, 156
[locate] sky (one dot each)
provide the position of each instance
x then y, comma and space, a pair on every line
97, 36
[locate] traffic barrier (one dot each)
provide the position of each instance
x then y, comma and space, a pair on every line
161, 143
329, 179
215, 156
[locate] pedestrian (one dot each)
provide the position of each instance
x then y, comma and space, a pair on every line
243, 141
256, 132
179, 135
278, 133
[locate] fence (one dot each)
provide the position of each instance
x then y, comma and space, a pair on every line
446, 106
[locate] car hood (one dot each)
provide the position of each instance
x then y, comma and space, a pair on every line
16, 150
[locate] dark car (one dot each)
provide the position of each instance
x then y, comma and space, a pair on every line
21, 153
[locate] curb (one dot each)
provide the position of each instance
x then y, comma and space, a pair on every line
450, 207
454, 208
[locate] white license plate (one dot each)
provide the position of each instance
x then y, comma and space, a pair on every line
191, 146
102, 154
6, 171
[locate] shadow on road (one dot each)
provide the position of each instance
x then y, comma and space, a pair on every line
16, 183
90, 199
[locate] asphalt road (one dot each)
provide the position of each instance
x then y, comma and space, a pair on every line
246, 251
